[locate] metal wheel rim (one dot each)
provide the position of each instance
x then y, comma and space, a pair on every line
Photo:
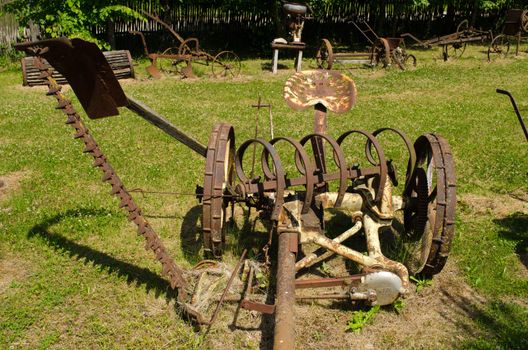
524, 21
499, 48
441, 197
428, 219
454, 52
226, 64
219, 175
325, 55
167, 65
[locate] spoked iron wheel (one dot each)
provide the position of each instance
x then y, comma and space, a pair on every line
524, 21
453, 51
226, 64
325, 55
171, 66
499, 48
381, 53
429, 215
218, 180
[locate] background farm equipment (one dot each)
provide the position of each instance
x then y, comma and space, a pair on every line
292, 197
454, 45
515, 25
385, 50
294, 15
179, 60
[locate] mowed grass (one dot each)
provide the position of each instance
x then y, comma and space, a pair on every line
74, 274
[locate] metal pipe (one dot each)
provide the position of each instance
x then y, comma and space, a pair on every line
285, 297
516, 109
158, 120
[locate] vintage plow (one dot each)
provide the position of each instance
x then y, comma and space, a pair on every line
515, 25
383, 50
454, 44
179, 60
293, 200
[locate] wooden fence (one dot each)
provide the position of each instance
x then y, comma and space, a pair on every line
8, 30
250, 25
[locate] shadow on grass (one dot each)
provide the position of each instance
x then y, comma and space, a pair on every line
191, 239
268, 66
516, 229
134, 274
493, 324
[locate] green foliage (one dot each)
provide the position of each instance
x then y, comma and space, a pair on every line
398, 305
421, 283
361, 318
71, 18
9, 56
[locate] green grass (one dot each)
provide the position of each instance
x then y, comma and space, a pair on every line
84, 279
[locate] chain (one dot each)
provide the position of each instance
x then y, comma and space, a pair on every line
152, 240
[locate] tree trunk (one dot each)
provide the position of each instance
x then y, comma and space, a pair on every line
380, 25
474, 13
450, 17
110, 33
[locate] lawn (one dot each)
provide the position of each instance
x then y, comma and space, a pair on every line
74, 274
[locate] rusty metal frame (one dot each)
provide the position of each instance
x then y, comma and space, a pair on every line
186, 53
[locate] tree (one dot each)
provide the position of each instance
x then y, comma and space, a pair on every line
71, 18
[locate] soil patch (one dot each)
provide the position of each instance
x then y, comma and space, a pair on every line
499, 205
10, 183
437, 317
11, 269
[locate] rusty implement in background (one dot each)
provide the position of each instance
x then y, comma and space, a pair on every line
179, 60
516, 109
454, 44
420, 222
515, 25
386, 51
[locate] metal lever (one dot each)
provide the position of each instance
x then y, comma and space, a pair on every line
516, 109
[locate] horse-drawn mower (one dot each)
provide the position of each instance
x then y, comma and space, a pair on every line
397, 235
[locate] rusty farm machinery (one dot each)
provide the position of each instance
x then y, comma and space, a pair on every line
454, 44
179, 60
386, 51
292, 199
515, 25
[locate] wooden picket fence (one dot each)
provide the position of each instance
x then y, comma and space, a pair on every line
8, 30
252, 24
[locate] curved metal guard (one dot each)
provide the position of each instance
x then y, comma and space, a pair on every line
334, 90
84, 66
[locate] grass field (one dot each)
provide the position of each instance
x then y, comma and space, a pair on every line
74, 274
